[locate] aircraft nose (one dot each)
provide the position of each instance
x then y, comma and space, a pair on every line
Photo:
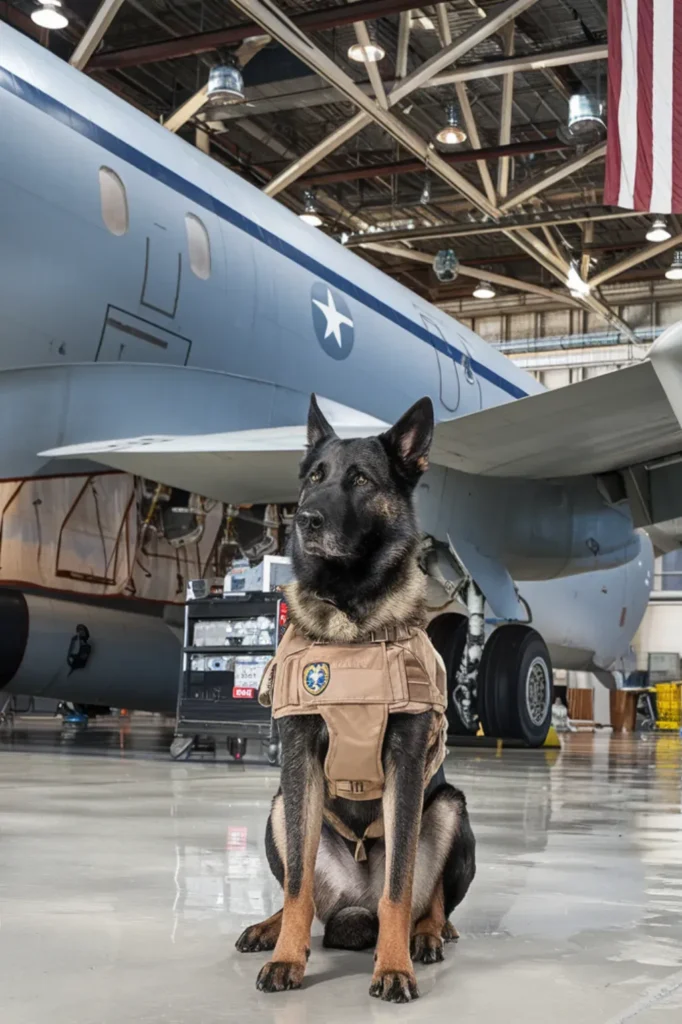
311, 519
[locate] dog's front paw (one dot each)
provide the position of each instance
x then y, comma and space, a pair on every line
279, 976
257, 939
394, 987
450, 933
427, 949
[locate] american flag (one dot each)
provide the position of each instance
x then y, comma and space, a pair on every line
644, 145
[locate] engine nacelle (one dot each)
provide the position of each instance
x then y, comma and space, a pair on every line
133, 662
535, 529
588, 620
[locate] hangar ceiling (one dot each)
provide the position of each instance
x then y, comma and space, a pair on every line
518, 199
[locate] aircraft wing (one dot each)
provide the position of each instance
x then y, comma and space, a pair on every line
611, 422
617, 421
240, 467
604, 423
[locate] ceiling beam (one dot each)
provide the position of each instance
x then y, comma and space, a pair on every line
443, 24
362, 36
548, 178
647, 253
497, 18
506, 112
202, 140
574, 215
551, 240
588, 239
327, 145
313, 94
404, 27
543, 253
204, 42
479, 273
273, 21
187, 110
467, 156
326, 203
472, 37
522, 63
94, 33
559, 268
465, 107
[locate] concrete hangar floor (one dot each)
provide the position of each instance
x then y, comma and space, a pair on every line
125, 879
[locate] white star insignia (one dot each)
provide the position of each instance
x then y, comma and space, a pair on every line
333, 317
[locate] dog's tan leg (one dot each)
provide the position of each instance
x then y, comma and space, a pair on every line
429, 931
301, 809
393, 978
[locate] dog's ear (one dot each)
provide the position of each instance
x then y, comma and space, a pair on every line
318, 428
409, 440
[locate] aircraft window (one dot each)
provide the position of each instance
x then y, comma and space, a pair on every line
114, 201
199, 247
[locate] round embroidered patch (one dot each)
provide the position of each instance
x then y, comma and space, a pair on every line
316, 677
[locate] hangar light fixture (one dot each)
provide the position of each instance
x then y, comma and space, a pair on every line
484, 290
674, 271
658, 232
446, 265
368, 53
585, 124
452, 133
225, 84
310, 214
47, 15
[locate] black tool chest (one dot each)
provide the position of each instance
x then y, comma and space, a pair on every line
228, 641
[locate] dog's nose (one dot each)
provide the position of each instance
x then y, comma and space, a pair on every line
311, 520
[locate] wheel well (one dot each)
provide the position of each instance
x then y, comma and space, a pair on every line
439, 623
519, 628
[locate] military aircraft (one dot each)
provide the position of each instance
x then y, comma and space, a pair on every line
164, 318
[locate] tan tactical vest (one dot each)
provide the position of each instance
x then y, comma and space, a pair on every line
354, 688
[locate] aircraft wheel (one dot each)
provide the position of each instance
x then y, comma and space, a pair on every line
448, 635
515, 685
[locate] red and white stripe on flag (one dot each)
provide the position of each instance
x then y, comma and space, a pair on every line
644, 143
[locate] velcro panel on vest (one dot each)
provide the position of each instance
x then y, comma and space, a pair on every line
353, 766
323, 675
426, 680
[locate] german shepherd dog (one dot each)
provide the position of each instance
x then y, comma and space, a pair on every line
355, 562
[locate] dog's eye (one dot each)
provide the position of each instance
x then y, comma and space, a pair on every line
360, 480
315, 476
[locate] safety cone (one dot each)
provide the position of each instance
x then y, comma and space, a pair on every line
552, 738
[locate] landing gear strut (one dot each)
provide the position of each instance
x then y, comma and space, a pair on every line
465, 693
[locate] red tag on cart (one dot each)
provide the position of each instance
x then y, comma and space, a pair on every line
243, 692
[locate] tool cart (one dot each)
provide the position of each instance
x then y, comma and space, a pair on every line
228, 640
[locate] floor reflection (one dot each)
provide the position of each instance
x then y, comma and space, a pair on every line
125, 879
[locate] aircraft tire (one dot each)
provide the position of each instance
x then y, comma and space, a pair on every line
448, 635
515, 686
